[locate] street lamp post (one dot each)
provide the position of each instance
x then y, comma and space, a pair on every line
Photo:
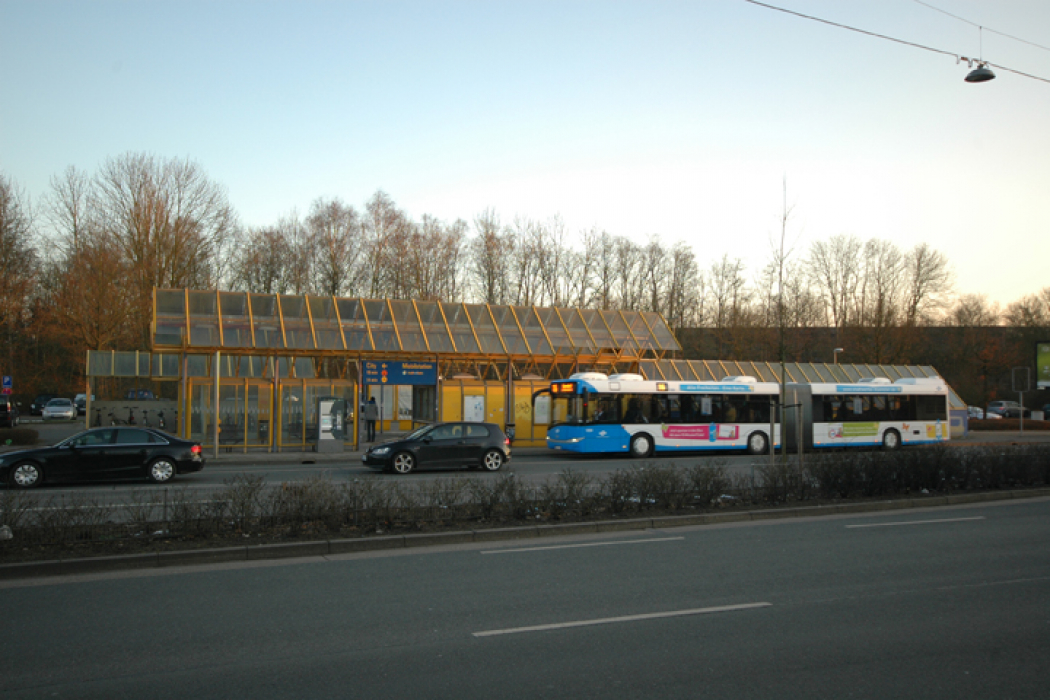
835, 354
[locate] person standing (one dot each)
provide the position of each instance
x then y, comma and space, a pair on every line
371, 414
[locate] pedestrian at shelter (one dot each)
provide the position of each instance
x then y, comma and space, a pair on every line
371, 414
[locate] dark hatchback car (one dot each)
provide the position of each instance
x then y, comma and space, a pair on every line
445, 445
104, 454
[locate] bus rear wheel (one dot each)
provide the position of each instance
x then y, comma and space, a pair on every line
891, 440
641, 446
757, 444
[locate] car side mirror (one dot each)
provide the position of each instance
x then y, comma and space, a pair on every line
427, 439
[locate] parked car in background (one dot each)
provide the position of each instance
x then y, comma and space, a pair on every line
1008, 409
59, 409
975, 412
445, 445
81, 402
104, 454
8, 412
37, 407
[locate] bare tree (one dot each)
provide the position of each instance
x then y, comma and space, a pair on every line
385, 228
18, 265
930, 281
335, 235
262, 261
68, 209
490, 254
834, 268
167, 220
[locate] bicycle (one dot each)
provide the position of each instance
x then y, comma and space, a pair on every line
131, 415
145, 418
114, 420
98, 417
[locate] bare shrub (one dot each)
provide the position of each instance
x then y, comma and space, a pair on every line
315, 503
568, 494
506, 496
239, 499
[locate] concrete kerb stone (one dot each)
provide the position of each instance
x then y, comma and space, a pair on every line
192, 557
286, 550
429, 539
506, 533
58, 567
365, 544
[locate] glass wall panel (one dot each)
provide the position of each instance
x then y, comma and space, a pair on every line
640, 331
165, 365
434, 326
382, 325
236, 325
355, 331
408, 328
268, 332
581, 341
291, 414
326, 325
125, 364
486, 331
204, 319
621, 334
297, 331
508, 329
556, 331
661, 333
201, 413
171, 317
257, 414
462, 331
534, 336
603, 337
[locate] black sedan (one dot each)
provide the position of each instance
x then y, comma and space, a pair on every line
103, 454
443, 445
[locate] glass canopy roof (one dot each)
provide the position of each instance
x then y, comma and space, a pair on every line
320, 325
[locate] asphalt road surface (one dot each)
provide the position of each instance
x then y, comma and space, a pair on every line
936, 603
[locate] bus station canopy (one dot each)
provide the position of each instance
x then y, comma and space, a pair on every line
206, 321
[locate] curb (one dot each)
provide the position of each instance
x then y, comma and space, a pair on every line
323, 548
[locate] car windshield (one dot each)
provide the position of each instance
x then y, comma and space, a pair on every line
419, 432
59, 402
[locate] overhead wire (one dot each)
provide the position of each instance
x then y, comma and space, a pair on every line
981, 26
958, 57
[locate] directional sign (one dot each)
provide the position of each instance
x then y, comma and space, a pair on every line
400, 373
8, 386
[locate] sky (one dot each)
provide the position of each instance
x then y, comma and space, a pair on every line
681, 120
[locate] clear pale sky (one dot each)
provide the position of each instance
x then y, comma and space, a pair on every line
680, 119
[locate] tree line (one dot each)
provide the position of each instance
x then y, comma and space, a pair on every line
78, 267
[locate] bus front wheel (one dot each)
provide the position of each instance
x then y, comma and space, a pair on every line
757, 444
641, 446
891, 440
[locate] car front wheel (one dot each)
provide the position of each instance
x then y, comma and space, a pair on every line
26, 475
403, 462
492, 460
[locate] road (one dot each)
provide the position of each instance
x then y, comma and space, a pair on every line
940, 603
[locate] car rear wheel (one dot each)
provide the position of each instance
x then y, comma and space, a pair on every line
26, 475
641, 446
403, 462
492, 461
161, 471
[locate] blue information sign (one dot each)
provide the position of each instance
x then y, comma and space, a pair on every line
387, 372
8, 385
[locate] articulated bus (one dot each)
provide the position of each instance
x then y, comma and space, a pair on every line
592, 413
870, 413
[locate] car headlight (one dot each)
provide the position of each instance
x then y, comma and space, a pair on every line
380, 451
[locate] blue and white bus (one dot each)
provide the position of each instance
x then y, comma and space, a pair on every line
596, 413
873, 412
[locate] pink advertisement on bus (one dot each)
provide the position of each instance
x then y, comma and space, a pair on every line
700, 432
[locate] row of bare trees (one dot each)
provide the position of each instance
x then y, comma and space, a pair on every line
79, 267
